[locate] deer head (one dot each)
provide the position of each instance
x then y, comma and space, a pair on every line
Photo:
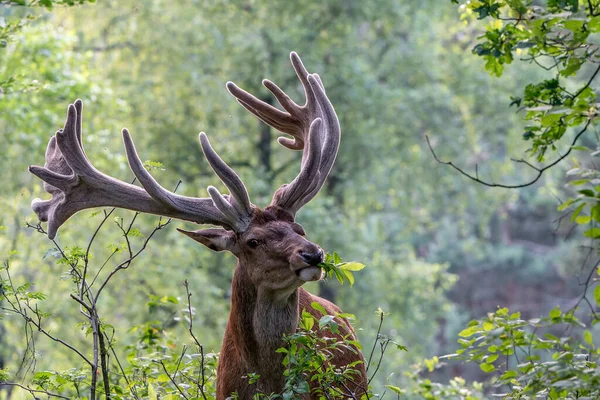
268, 239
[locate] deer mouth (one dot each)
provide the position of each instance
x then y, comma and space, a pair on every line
309, 273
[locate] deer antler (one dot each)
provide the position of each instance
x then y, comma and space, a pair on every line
76, 185
314, 127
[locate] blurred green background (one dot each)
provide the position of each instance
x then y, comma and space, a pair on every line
439, 248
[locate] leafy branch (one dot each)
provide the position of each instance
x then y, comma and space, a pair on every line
555, 37
342, 271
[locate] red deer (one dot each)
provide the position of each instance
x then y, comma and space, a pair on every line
274, 257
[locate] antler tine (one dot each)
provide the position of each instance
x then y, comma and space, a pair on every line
238, 222
241, 201
76, 185
332, 131
69, 143
148, 182
330, 143
305, 181
79, 108
296, 121
281, 123
300, 123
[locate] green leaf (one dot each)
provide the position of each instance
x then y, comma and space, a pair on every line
431, 363
349, 276
502, 312
95, 213
470, 331
395, 389
509, 375
351, 266
494, 66
596, 213
326, 320
338, 274
42, 375
550, 119
336, 258
597, 294
490, 359
580, 148
169, 299
594, 24
135, 232
308, 321
566, 204
587, 336
587, 192
578, 182
152, 392
574, 25
555, 312
318, 307
592, 233
485, 367
53, 252
573, 65
153, 166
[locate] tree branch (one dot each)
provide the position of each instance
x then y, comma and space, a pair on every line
34, 391
540, 171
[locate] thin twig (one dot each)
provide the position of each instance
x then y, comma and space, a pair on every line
125, 264
173, 380
34, 391
114, 353
588, 83
38, 326
540, 171
87, 250
376, 340
384, 346
104, 362
200, 347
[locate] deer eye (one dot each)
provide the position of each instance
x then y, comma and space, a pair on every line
252, 243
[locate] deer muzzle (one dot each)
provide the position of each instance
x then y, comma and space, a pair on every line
311, 271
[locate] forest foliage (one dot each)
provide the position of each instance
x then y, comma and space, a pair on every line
426, 92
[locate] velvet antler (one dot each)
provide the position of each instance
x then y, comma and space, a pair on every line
76, 185
314, 127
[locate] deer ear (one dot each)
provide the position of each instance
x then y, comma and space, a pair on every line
214, 239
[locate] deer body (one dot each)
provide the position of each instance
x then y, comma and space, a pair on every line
241, 346
274, 257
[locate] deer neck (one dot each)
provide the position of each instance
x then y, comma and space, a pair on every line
259, 319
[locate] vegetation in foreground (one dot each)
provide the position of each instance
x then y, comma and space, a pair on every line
523, 357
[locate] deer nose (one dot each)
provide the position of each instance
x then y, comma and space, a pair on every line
312, 258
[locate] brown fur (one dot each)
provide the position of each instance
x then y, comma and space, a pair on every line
266, 302
242, 353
